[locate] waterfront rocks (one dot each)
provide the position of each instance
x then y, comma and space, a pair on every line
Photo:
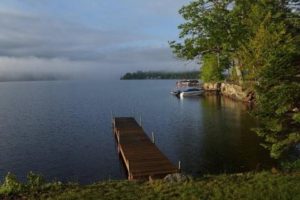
177, 177
295, 109
232, 91
211, 86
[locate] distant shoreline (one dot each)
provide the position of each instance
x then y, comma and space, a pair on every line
36, 80
160, 75
29, 78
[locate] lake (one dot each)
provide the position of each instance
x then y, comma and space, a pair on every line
62, 129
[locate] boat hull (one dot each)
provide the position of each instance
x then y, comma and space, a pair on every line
193, 93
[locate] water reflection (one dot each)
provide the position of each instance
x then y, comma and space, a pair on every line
63, 129
218, 138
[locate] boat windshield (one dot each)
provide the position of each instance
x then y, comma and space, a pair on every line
192, 90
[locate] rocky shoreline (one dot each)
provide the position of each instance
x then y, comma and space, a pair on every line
231, 91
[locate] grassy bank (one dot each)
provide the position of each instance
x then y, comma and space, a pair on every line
263, 185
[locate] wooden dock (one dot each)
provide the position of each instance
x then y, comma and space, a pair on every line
143, 160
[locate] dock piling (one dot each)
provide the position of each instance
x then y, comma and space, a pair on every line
153, 139
141, 120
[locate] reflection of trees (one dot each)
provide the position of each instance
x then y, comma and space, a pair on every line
215, 137
225, 102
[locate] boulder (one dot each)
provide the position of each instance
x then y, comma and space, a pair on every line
177, 177
211, 86
232, 91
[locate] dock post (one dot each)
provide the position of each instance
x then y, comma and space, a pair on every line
141, 120
179, 165
153, 139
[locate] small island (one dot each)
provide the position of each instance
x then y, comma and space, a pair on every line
139, 75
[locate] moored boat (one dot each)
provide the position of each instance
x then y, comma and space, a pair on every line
191, 92
175, 92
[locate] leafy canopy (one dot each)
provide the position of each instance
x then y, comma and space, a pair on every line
261, 39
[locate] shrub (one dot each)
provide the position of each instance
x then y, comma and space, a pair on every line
10, 185
210, 70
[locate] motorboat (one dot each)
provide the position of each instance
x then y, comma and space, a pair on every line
191, 92
175, 92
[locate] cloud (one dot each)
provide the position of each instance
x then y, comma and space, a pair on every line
111, 65
37, 43
23, 35
147, 58
14, 67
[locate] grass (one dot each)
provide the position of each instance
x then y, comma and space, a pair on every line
263, 185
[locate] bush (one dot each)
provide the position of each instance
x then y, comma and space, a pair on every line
34, 181
10, 185
291, 166
210, 70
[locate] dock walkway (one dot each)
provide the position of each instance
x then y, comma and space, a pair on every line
142, 158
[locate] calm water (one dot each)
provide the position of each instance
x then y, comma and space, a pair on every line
62, 129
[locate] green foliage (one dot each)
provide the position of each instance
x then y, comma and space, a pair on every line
210, 71
270, 42
290, 167
11, 188
208, 30
10, 185
296, 117
275, 55
34, 181
261, 185
280, 127
161, 75
261, 39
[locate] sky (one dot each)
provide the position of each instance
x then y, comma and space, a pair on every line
104, 38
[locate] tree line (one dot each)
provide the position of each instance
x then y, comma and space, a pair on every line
161, 75
257, 43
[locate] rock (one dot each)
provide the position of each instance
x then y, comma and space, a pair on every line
211, 86
296, 109
274, 170
250, 97
232, 91
178, 177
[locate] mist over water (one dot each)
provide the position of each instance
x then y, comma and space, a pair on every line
62, 129
86, 38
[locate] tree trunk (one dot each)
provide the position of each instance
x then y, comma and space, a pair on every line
239, 74
238, 71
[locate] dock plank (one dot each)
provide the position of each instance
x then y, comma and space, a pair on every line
142, 158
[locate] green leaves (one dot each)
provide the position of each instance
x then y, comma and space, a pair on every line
283, 145
269, 57
260, 40
11, 188
10, 185
35, 181
206, 30
296, 117
211, 71
279, 122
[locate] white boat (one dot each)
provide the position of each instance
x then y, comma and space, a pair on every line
191, 92
175, 92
